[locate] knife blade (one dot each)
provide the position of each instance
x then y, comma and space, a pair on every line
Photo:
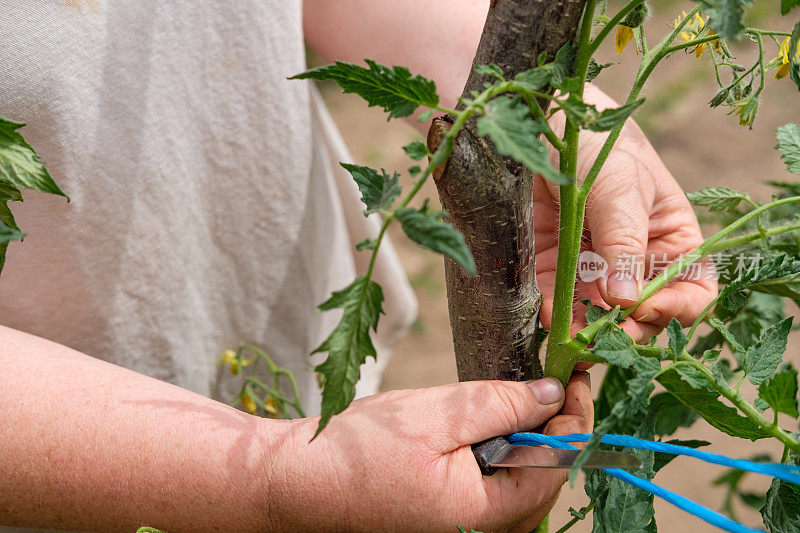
514, 456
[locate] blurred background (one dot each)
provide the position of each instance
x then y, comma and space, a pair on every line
702, 147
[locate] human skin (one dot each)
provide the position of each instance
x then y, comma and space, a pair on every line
91, 446
88, 445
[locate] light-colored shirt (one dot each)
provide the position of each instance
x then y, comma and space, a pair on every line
207, 206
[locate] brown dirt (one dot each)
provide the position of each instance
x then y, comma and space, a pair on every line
701, 147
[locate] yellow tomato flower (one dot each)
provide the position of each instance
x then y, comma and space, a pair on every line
623, 36
229, 357
783, 55
271, 407
692, 29
248, 403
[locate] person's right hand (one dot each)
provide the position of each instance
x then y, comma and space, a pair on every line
401, 460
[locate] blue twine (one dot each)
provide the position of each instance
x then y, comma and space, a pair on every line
780, 471
786, 472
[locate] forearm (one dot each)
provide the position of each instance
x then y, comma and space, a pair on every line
89, 445
435, 39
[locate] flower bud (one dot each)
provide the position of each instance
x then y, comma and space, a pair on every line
636, 17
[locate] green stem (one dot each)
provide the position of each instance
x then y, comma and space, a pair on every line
701, 317
276, 371
712, 245
575, 519
570, 226
744, 407
538, 112
733, 242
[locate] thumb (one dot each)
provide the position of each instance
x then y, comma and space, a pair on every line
478, 410
619, 227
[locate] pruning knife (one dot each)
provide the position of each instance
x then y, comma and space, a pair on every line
499, 453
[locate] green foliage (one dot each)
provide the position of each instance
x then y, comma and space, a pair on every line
663, 459
705, 402
616, 347
794, 60
677, 338
780, 392
416, 150
727, 335
595, 312
781, 511
782, 267
379, 190
507, 125
490, 70
718, 198
432, 232
727, 16
8, 234
635, 399
393, 89
672, 414
588, 117
731, 480
19, 164
789, 146
762, 359
748, 314
595, 69
20, 168
612, 389
349, 344
9, 230
788, 5
623, 507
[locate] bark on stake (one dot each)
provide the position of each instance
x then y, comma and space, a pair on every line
494, 315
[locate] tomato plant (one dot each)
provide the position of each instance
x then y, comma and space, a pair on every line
747, 316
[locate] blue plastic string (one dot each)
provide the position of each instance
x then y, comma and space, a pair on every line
782, 471
700, 511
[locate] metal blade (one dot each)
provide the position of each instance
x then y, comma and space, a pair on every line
513, 456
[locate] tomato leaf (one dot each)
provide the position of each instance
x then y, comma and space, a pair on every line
378, 189
706, 402
624, 507
616, 347
781, 511
19, 163
435, 234
789, 146
762, 359
349, 345
394, 89
509, 126
718, 198
780, 392
727, 16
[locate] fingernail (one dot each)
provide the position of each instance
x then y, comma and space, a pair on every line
547, 390
651, 316
622, 286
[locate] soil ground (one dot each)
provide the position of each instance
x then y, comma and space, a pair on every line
701, 147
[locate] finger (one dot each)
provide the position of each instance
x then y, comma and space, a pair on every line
640, 331
683, 300
577, 414
529, 494
618, 219
485, 409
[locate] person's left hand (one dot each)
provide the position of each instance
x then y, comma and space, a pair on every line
636, 212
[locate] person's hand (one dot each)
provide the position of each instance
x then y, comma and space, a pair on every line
401, 460
636, 214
